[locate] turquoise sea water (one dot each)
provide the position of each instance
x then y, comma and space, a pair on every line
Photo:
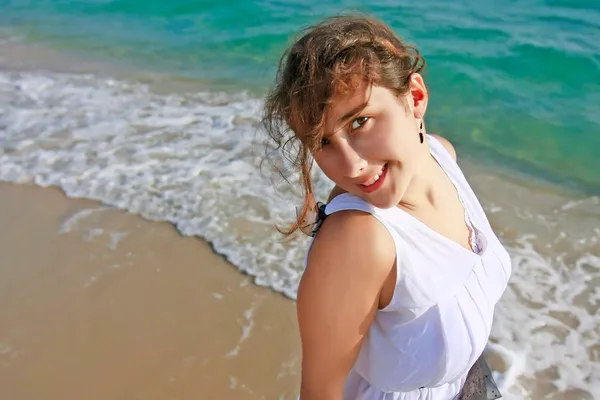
514, 83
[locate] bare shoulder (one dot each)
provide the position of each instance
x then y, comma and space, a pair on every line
351, 239
338, 297
447, 145
351, 256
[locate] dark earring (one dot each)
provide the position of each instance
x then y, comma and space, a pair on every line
421, 132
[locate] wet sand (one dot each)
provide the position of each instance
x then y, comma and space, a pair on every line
101, 304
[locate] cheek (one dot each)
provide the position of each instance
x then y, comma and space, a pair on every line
400, 140
326, 164
389, 146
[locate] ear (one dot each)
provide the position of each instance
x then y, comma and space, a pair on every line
418, 95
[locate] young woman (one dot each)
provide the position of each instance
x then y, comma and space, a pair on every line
401, 281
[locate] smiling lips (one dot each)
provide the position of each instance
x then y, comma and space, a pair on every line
374, 182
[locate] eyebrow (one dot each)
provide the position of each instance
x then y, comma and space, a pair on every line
352, 112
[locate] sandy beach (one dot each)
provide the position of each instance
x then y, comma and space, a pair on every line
101, 304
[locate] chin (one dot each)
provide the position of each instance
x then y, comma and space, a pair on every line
387, 198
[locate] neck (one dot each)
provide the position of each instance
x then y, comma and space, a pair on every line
423, 189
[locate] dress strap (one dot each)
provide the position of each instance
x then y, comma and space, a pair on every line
341, 202
347, 201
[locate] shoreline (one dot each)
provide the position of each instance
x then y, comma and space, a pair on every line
104, 304
25, 55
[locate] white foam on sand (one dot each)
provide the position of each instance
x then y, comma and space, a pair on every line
72, 223
548, 321
77, 222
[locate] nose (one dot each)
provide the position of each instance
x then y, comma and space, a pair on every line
351, 162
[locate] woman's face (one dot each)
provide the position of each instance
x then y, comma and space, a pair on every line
371, 147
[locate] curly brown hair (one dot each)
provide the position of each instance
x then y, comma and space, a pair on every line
331, 58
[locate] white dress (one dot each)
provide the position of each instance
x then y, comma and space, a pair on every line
422, 345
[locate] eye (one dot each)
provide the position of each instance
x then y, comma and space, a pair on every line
358, 122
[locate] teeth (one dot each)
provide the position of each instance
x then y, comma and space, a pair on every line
373, 180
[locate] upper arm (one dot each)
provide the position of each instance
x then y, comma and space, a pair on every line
447, 145
338, 298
